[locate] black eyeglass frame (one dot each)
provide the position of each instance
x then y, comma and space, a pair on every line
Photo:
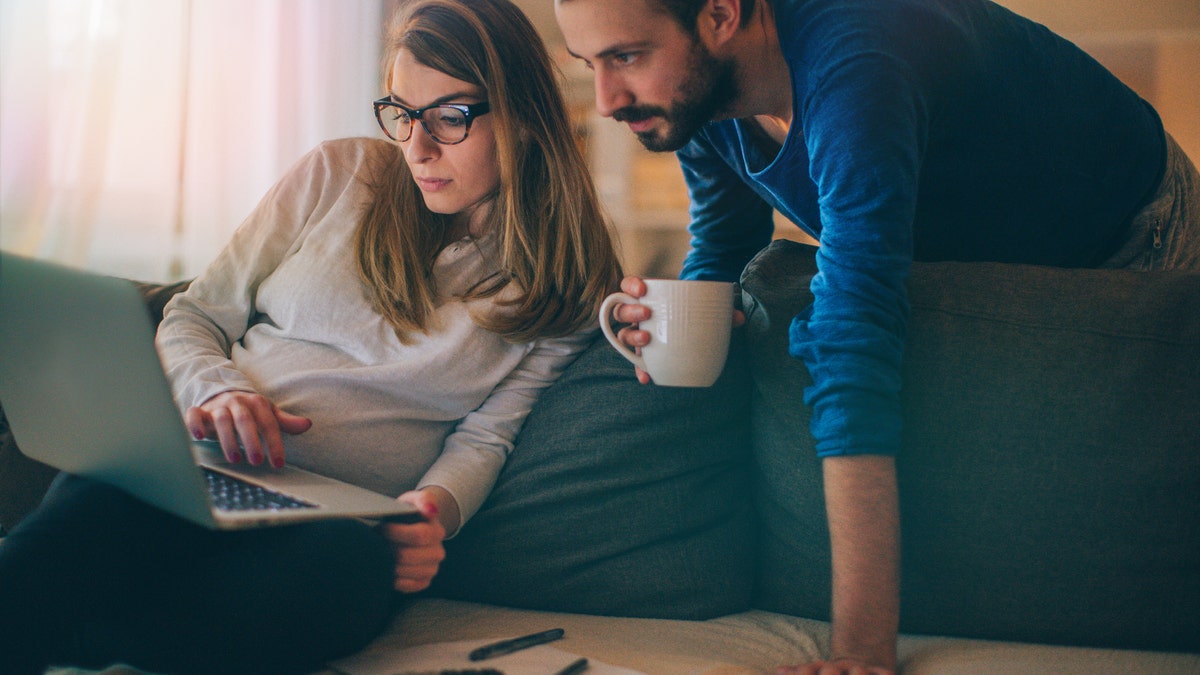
469, 110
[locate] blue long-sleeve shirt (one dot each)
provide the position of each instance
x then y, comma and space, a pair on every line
922, 130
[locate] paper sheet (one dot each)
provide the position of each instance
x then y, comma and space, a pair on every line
439, 657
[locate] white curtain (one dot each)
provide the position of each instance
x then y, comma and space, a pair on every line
135, 135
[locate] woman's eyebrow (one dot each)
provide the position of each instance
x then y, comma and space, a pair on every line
437, 101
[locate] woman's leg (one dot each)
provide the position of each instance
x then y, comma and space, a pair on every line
95, 577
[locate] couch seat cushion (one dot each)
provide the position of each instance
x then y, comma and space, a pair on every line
746, 643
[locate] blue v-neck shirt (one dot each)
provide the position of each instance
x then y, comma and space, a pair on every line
922, 130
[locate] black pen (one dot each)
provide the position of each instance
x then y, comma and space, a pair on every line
577, 666
516, 644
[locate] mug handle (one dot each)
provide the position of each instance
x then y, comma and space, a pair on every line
605, 325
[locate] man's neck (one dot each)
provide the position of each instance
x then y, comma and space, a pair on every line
763, 75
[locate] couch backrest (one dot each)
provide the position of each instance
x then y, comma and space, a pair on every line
1050, 469
619, 499
1050, 474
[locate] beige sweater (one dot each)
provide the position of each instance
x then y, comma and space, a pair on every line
283, 312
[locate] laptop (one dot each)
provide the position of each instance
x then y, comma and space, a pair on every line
84, 391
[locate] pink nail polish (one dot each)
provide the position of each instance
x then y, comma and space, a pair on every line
199, 434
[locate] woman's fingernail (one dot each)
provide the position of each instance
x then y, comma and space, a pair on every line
199, 434
234, 458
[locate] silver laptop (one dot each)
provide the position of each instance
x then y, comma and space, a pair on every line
84, 391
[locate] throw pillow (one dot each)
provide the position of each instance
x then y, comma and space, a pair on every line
618, 499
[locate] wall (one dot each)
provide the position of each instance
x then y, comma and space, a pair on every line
1152, 45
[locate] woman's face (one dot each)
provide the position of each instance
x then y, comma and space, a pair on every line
454, 179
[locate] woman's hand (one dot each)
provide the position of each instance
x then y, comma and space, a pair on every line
418, 546
243, 420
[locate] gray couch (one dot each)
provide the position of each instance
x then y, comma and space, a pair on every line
1050, 490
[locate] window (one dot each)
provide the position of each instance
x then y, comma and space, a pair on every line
135, 135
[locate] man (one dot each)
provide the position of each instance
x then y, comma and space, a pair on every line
892, 131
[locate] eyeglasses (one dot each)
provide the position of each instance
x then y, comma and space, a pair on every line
447, 123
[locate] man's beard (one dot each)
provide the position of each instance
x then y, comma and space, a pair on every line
706, 93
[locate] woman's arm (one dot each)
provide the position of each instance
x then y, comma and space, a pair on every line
476, 450
201, 326
472, 456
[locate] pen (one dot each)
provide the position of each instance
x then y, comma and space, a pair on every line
577, 666
516, 644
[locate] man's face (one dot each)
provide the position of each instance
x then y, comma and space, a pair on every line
649, 72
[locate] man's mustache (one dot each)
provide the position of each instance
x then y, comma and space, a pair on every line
638, 113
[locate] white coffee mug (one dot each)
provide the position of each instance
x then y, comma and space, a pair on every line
689, 326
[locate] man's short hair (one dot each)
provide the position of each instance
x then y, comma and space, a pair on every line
686, 11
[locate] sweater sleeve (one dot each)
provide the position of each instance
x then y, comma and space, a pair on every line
729, 222
475, 452
865, 124
200, 326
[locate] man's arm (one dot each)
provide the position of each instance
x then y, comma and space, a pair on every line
862, 501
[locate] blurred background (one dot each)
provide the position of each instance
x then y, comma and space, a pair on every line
135, 135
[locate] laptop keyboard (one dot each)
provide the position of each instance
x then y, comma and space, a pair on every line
233, 494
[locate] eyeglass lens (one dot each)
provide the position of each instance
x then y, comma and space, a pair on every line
445, 124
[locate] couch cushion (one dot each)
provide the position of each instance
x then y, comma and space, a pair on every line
739, 644
618, 499
1050, 469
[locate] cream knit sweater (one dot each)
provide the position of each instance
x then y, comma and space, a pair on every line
283, 312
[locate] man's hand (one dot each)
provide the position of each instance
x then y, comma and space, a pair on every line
418, 546
243, 420
630, 335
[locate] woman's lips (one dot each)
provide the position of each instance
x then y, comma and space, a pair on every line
432, 184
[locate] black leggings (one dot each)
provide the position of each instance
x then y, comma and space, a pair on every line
94, 577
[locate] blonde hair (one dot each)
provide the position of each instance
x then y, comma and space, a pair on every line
556, 252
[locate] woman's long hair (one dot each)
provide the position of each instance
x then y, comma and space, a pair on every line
557, 258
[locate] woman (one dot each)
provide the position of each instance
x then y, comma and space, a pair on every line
387, 315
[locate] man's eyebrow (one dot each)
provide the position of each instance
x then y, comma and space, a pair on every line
458, 95
615, 49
